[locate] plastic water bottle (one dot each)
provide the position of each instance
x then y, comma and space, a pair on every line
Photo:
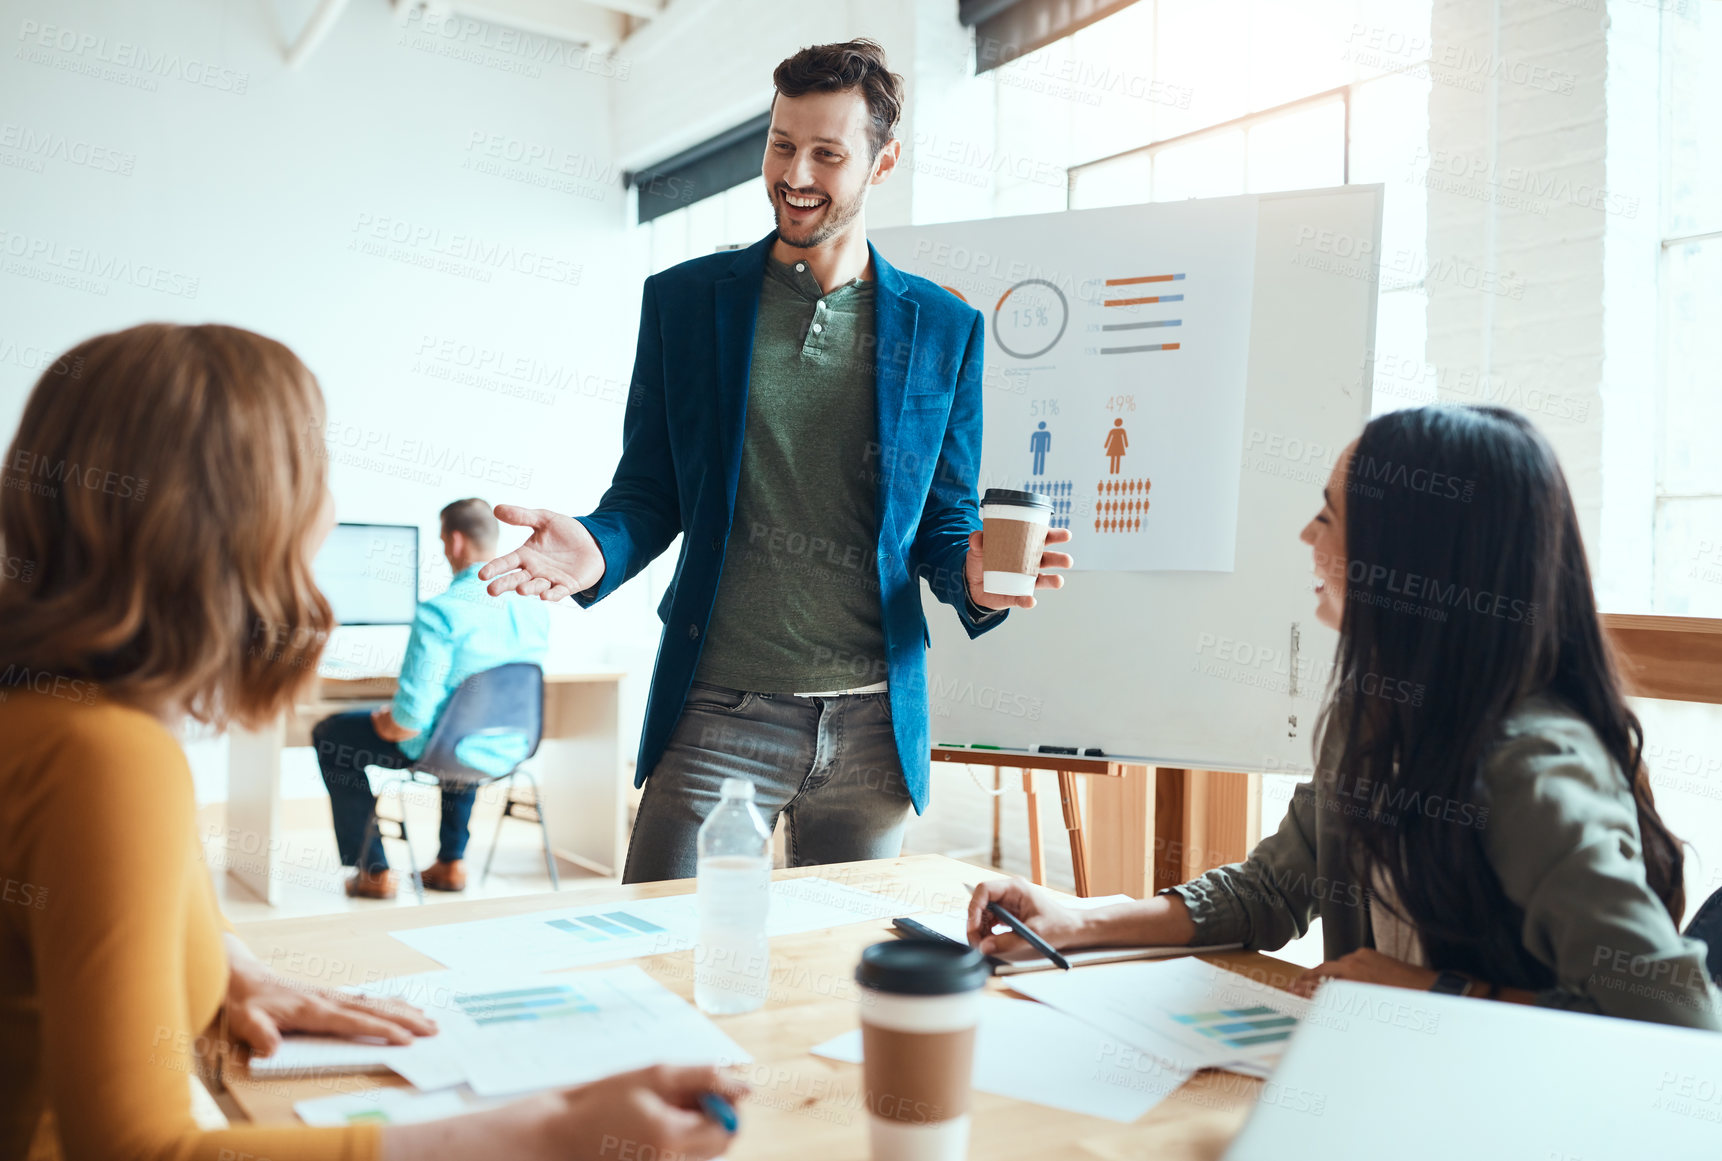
732, 964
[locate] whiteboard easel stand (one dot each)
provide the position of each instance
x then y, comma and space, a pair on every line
1148, 827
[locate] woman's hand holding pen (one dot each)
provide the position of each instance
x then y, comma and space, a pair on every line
1161, 921
654, 1112
1035, 906
660, 1112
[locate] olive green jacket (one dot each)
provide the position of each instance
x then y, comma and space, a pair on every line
1560, 830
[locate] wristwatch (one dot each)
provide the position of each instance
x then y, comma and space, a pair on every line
1453, 984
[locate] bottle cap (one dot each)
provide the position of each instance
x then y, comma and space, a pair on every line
737, 788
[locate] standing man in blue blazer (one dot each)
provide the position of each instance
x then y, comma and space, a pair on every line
808, 419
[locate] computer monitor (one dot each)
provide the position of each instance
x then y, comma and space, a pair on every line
370, 573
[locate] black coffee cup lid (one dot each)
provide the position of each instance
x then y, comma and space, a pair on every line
922, 967
1020, 499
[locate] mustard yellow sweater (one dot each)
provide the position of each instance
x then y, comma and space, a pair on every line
111, 962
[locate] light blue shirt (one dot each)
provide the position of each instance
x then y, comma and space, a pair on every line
460, 632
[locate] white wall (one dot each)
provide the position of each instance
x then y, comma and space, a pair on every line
707, 67
166, 144
1542, 183
1546, 182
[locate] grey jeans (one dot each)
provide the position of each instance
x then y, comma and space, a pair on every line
826, 765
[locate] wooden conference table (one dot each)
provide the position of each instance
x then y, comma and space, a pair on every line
802, 1105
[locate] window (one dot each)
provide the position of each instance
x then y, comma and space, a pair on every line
1683, 741
1173, 99
1688, 542
741, 215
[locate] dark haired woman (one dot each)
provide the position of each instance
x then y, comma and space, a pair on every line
1480, 820
163, 504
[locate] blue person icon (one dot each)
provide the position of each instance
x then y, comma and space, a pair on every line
1039, 443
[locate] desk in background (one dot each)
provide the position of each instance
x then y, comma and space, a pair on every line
578, 766
802, 1105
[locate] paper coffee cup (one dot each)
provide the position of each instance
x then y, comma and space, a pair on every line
920, 1002
1013, 533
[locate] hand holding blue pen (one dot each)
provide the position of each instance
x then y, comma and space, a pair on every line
682, 1111
720, 1110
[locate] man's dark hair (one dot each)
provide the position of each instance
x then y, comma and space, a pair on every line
473, 519
837, 68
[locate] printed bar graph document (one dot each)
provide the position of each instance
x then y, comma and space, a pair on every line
604, 933
514, 1005
1185, 1012
505, 1033
1121, 337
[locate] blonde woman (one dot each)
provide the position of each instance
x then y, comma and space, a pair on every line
163, 498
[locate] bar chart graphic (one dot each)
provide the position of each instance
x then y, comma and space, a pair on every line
1128, 298
604, 928
549, 1002
1240, 1027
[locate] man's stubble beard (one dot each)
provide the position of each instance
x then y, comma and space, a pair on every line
839, 216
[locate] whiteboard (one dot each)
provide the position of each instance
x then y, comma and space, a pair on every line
1212, 669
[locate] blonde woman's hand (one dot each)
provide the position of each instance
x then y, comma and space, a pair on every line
649, 1113
652, 1112
262, 1006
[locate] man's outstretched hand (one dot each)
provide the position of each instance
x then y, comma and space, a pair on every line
559, 559
1046, 580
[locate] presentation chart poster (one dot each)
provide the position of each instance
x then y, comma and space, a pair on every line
1117, 350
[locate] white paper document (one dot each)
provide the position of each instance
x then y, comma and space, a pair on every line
379, 1106
1031, 1052
1389, 1072
518, 1032
1117, 354
506, 1033
606, 932
1187, 1013
955, 924
428, 1063
308, 1055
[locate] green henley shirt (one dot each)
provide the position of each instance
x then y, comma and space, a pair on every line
797, 605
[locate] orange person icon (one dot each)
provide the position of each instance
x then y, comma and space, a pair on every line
1116, 442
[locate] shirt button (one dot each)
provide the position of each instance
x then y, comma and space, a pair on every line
717, 543
820, 305
817, 328
799, 266
693, 632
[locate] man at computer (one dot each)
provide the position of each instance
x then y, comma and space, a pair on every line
460, 632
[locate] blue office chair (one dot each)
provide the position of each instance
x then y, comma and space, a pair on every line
507, 701
1707, 925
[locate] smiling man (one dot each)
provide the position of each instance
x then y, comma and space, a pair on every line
808, 418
